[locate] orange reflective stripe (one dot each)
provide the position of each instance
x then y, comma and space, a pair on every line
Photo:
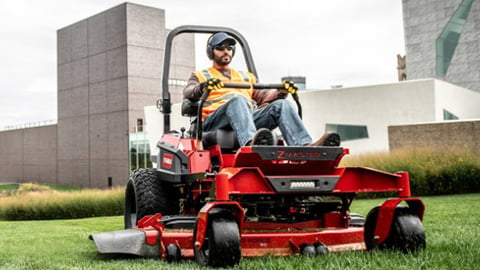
222, 96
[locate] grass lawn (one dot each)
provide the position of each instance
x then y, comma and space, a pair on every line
452, 225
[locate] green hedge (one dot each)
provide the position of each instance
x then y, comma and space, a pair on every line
61, 205
432, 171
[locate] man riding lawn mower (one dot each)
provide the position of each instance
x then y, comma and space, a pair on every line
224, 190
246, 109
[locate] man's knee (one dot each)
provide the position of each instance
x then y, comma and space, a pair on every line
239, 99
283, 105
239, 102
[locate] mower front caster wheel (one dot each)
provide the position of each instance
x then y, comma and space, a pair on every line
221, 247
406, 233
173, 253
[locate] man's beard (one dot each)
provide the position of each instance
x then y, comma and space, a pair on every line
222, 60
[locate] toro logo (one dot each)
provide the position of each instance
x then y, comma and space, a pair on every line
167, 161
282, 154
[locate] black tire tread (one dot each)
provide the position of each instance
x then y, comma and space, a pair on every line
222, 245
151, 195
406, 233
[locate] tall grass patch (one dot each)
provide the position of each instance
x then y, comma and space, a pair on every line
432, 171
52, 204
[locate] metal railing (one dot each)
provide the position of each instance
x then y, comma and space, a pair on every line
29, 125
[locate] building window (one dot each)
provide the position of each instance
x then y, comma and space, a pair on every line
139, 151
348, 132
449, 116
177, 82
447, 42
139, 125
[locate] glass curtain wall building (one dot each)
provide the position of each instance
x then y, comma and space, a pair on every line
447, 42
442, 40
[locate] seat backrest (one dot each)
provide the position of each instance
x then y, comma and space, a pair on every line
189, 107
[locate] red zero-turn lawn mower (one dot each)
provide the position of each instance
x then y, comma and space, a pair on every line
210, 199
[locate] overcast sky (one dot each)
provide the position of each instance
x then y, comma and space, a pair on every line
344, 42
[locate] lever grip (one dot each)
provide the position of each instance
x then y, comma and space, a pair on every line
256, 85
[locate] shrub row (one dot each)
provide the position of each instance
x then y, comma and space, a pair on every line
432, 171
62, 205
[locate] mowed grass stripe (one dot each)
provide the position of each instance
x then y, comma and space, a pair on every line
452, 225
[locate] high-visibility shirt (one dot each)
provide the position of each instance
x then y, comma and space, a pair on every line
219, 97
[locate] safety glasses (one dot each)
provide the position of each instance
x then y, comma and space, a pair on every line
223, 47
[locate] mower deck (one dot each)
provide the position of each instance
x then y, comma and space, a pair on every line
278, 243
290, 240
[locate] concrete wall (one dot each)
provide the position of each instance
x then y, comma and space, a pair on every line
446, 135
29, 155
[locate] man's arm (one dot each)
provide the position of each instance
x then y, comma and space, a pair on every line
193, 90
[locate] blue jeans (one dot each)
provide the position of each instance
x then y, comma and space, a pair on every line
238, 115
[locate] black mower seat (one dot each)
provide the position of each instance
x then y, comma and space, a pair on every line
225, 138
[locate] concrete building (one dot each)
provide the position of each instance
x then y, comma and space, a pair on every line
109, 69
442, 39
362, 115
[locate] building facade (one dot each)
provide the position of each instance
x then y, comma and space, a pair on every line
442, 40
29, 155
109, 68
362, 115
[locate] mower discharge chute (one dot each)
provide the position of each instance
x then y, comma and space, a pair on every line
212, 200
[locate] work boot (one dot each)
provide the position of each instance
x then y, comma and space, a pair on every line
263, 136
328, 139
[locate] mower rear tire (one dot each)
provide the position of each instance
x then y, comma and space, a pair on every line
406, 233
222, 244
369, 229
147, 195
